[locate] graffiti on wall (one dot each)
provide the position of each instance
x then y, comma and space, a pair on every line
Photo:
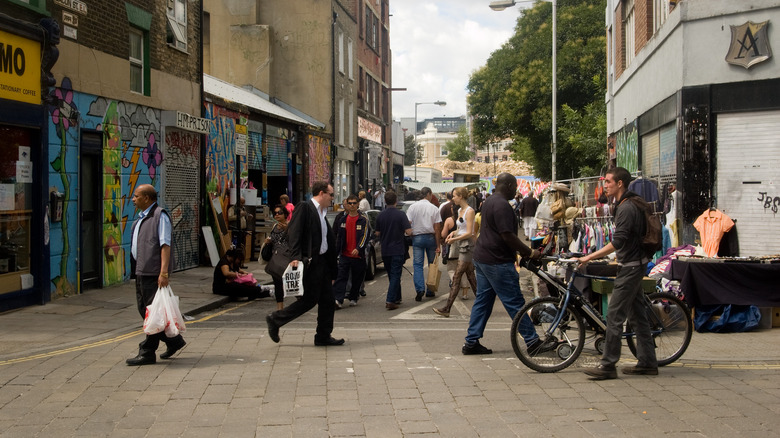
131, 156
319, 159
182, 150
220, 152
627, 147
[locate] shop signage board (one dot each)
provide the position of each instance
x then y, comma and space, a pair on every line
369, 130
241, 140
20, 69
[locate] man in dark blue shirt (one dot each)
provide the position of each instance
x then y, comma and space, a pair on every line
391, 227
494, 262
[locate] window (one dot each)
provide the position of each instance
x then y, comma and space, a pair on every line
341, 121
176, 34
372, 30
629, 32
349, 59
341, 51
136, 61
351, 125
660, 13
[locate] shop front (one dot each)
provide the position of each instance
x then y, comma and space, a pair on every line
24, 203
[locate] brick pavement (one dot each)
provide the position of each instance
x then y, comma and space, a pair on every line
386, 381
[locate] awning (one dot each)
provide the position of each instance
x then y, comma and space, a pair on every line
224, 90
441, 187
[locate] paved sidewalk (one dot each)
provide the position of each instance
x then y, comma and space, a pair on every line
106, 313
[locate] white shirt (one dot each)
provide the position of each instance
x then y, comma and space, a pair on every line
423, 216
364, 206
323, 226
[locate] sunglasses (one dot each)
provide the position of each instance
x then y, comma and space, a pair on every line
352, 203
278, 212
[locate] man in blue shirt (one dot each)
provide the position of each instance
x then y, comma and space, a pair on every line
151, 263
391, 226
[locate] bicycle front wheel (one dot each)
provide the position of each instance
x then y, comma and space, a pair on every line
671, 325
551, 350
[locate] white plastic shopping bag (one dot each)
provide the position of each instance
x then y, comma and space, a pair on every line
292, 280
154, 321
174, 318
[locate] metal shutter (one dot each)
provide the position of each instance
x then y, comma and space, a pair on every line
748, 174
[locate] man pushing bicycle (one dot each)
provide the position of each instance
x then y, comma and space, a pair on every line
627, 296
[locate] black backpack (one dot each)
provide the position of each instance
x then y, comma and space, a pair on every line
653, 239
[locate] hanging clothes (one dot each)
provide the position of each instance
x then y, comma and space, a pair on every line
711, 225
647, 189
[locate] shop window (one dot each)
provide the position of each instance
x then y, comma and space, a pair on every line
16, 193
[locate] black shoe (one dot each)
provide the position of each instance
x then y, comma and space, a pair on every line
537, 346
362, 292
640, 370
475, 348
171, 350
601, 373
329, 342
273, 329
430, 294
419, 296
141, 360
391, 306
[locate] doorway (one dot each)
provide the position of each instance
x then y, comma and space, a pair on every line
91, 209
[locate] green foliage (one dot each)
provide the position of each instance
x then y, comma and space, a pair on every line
512, 94
409, 151
459, 149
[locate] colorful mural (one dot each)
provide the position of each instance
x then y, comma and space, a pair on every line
221, 148
319, 159
131, 156
627, 145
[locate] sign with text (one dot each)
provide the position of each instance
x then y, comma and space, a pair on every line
241, 140
369, 130
20, 68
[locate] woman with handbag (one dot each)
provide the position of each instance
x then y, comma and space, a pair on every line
463, 238
450, 252
230, 280
275, 253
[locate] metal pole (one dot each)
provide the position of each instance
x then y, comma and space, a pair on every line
554, 88
415, 141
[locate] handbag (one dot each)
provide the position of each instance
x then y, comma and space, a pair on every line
267, 252
164, 314
279, 261
246, 279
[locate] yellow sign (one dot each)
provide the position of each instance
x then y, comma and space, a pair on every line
20, 68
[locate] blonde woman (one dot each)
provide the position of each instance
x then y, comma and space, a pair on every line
463, 237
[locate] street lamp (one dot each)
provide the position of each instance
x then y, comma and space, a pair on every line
438, 102
500, 6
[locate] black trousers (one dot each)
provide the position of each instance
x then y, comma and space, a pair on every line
317, 291
349, 268
145, 290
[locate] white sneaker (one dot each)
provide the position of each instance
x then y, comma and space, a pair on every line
352, 303
338, 305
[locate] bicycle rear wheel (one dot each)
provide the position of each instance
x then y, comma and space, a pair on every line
554, 350
671, 326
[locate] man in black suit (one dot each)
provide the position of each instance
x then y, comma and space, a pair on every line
308, 246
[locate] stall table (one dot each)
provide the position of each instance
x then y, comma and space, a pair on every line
711, 282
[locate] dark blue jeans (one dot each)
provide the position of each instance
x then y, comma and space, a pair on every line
422, 245
395, 267
502, 281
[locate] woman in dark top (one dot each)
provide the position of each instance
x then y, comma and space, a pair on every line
227, 271
278, 239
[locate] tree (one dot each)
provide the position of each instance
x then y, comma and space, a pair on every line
512, 94
460, 148
409, 151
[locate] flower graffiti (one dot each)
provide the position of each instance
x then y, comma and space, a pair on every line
152, 156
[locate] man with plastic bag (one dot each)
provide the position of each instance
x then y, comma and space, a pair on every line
151, 262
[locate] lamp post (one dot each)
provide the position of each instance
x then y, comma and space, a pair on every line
500, 6
438, 102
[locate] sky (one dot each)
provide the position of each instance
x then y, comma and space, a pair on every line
436, 45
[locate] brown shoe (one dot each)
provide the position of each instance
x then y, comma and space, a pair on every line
601, 373
391, 306
639, 370
441, 312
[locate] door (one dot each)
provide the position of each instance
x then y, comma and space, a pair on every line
91, 210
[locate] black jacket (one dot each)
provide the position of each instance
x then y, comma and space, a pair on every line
305, 236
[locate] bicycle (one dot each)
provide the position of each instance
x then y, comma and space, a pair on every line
561, 321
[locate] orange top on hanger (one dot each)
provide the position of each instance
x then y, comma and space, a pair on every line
712, 225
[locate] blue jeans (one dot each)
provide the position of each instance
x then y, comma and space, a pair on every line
502, 281
422, 244
394, 266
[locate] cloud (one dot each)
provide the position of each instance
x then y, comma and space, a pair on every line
436, 45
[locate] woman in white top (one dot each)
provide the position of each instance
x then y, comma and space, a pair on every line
463, 237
